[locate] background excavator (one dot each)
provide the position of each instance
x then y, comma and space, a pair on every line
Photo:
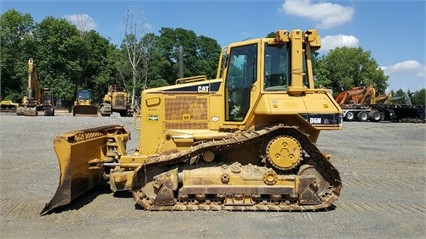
362, 104
355, 104
83, 105
243, 141
37, 98
116, 100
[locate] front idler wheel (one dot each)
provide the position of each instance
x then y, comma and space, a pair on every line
320, 186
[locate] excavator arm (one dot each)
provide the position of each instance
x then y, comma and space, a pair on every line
33, 90
356, 95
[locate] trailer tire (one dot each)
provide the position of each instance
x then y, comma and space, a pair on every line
375, 116
349, 116
362, 116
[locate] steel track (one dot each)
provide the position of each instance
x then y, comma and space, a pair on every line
327, 170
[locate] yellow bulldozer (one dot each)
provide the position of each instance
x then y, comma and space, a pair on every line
243, 141
116, 100
83, 105
8, 106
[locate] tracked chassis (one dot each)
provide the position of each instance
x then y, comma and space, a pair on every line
286, 171
184, 181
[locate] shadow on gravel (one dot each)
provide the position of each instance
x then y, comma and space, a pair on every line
83, 200
123, 194
330, 208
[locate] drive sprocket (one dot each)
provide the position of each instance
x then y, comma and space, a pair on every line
283, 152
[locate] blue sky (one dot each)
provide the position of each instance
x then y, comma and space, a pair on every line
393, 31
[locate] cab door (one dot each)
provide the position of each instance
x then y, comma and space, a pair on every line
241, 75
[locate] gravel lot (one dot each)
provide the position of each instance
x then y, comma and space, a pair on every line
382, 166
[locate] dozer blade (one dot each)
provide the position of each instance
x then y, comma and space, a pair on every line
74, 151
30, 111
85, 110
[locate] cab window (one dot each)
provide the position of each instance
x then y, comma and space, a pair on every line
242, 73
276, 67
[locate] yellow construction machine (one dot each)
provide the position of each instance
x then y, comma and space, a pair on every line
116, 100
8, 106
37, 98
83, 105
243, 141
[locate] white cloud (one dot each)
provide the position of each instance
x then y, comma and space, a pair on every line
406, 66
331, 42
82, 21
325, 14
405, 75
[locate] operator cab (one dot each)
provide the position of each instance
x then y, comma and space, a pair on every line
243, 66
84, 95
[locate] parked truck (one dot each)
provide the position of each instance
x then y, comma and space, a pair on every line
362, 104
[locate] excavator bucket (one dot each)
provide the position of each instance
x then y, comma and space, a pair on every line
76, 152
85, 110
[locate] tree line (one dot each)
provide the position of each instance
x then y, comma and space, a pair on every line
68, 59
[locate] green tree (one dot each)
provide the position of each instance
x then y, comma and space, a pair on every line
157, 65
207, 56
137, 46
346, 67
99, 64
200, 54
17, 46
418, 97
69, 60
60, 49
66, 58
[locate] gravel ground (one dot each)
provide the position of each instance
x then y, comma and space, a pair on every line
382, 166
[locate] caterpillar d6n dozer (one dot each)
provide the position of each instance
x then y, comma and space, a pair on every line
243, 141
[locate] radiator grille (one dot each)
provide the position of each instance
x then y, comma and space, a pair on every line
186, 125
177, 108
186, 112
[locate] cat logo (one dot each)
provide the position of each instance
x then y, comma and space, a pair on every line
203, 89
